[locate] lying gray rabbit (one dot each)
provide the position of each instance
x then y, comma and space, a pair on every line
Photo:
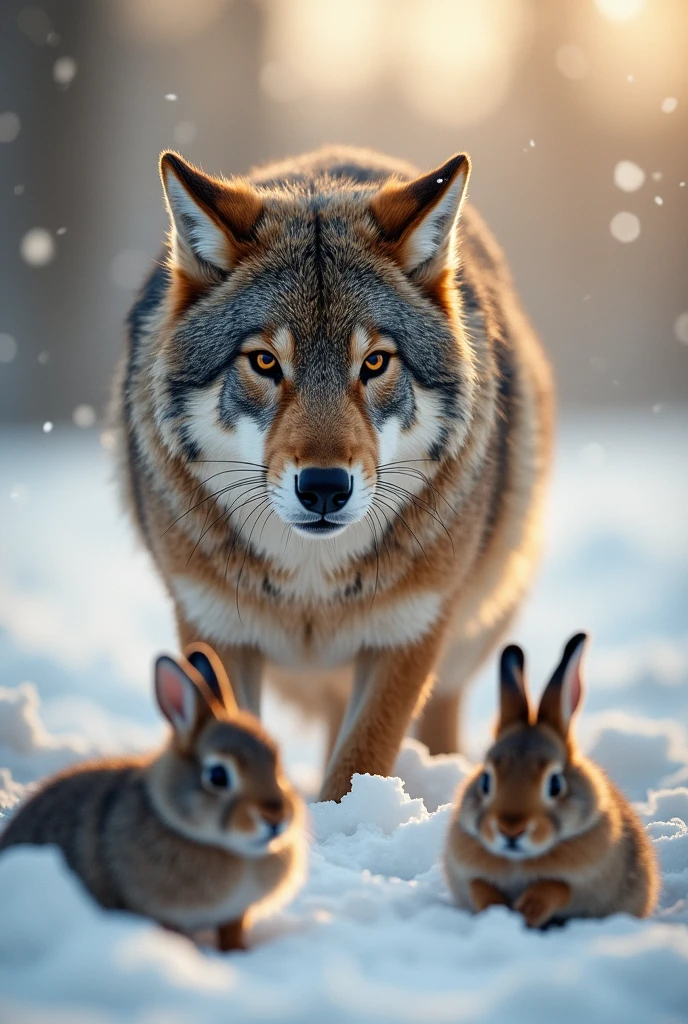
195, 836
539, 827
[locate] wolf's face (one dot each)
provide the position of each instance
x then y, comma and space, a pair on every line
313, 363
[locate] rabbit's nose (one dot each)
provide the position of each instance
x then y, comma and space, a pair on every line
512, 829
273, 810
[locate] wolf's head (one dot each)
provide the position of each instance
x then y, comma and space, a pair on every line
312, 340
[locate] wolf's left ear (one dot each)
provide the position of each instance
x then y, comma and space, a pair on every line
418, 218
211, 219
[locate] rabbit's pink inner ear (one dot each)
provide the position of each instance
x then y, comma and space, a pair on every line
572, 686
563, 692
176, 694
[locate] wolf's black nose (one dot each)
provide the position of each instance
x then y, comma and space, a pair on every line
324, 490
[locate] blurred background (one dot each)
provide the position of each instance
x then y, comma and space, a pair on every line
575, 114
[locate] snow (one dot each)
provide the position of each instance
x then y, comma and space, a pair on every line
373, 935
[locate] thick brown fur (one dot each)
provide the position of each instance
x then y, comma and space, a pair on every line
580, 853
349, 253
142, 835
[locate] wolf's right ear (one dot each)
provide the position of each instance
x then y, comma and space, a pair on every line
211, 219
208, 665
513, 696
182, 696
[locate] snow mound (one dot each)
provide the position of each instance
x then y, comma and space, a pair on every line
372, 937
27, 749
638, 753
434, 779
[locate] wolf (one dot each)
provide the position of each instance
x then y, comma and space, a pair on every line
335, 427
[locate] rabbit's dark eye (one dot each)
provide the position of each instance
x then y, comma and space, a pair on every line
217, 775
556, 785
485, 783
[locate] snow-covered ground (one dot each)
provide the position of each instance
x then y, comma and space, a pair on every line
372, 937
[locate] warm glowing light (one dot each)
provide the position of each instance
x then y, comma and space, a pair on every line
633, 62
160, 21
571, 62
327, 48
459, 57
620, 10
452, 60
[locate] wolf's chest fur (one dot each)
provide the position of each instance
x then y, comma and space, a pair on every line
300, 635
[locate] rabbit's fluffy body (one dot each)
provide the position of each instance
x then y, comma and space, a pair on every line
150, 835
539, 827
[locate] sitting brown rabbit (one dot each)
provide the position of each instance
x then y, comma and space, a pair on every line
194, 836
539, 827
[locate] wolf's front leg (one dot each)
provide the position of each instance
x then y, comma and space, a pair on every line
389, 687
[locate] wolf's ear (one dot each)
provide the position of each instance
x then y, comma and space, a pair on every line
564, 690
418, 218
211, 220
513, 696
208, 665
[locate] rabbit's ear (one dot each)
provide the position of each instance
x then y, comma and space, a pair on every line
565, 689
180, 693
513, 697
206, 662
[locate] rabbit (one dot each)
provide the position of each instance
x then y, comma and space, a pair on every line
199, 835
539, 827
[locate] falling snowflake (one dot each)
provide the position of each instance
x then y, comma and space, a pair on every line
184, 132
8, 348
64, 70
628, 176
681, 327
592, 455
84, 416
9, 126
669, 105
37, 247
19, 493
625, 227
47, 427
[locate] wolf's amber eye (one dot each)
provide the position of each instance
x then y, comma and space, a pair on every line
265, 364
374, 365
